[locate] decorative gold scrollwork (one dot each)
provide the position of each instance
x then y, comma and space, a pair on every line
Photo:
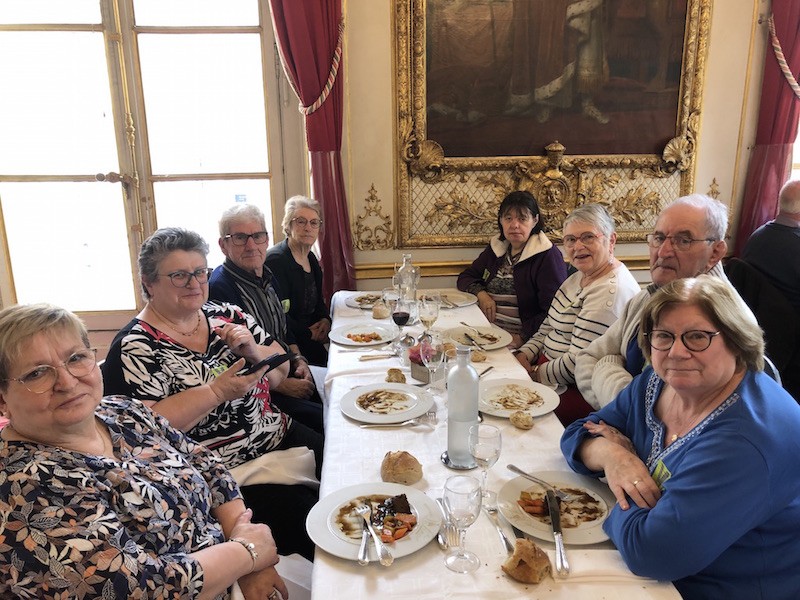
379, 236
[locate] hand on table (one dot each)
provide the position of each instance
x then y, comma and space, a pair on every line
487, 305
625, 472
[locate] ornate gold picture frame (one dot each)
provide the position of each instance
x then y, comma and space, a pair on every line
485, 105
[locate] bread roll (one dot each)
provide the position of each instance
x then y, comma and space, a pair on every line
380, 310
478, 356
395, 376
401, 467
528, 564
521, 420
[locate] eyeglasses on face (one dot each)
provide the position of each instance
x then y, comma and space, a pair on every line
183, 278
302, 222
587, 239
679, 242
240, 239
695, 340
43, 377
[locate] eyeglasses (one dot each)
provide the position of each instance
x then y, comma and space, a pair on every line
43, 377
240, 239
301, 222
694, 340
183, 278
587, 239
679, 242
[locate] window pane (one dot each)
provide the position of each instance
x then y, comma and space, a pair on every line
198, 205
196, 12
34, 12
204, 99
55, 107
68, 244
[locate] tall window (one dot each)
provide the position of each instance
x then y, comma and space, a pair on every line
121, 116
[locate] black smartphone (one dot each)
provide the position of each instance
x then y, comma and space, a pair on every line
273, 360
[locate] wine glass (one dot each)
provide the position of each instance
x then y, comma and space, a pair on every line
462, 502
390, 296
428, 307
431, 350
401, 313
485, 442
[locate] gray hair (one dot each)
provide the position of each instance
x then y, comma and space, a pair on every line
716, 213
294, 204
594, 214
240, 212
790, 196
21, 322
159, 245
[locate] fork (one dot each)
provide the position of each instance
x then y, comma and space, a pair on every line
491, 512
384, 556
429, 419
563, 496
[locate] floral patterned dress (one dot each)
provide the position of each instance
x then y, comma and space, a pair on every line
76, 525
147, 364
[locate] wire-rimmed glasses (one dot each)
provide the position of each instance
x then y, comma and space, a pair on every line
682, 243
485, 443
462, 503
302, 222
42, 378
184, 278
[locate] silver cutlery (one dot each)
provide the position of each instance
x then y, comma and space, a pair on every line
479, 333
363, 552
448, 302
448, 533
377, 356
485, 371
564, 497
384, 555
562, 564
491, 512
473, 341
429, 419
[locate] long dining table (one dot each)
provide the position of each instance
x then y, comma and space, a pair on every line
353, 456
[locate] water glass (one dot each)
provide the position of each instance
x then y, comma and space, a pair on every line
462, 502
485, 443
431, 350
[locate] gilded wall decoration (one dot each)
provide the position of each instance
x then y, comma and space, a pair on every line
474, 123
373, 230
713, 189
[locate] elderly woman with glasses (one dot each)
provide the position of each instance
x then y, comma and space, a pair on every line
101, 497
585, 305
187, 358
700, 451
299, 277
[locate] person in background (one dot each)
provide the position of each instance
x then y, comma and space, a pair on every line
244, 280
774, 248
299, 277
516, 277
585, 305
183, 355
700, 451
101, 497
688, 239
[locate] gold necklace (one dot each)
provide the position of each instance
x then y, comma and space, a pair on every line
174, 325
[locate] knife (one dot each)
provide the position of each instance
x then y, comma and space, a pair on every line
363, 552
375, 356
473, 341
562, 565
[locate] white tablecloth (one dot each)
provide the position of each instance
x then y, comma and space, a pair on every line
353, 456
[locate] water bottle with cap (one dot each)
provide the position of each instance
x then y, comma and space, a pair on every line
407, 279
462, 409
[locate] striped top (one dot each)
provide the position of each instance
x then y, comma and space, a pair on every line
576, 317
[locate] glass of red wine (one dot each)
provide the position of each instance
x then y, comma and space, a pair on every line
401, 315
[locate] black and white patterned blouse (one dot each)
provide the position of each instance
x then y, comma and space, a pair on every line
148, 364
76, 525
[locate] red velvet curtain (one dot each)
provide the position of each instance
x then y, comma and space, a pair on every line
308, 32
770, 161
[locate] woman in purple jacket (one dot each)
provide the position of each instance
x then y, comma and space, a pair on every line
517, 275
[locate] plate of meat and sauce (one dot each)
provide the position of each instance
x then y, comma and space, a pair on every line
501, 398
385, 403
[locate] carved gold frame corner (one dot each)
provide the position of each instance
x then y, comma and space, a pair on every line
453, 201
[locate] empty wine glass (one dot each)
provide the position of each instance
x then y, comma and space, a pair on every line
485, 443
462, 502
390, 296
431, 350
428, 307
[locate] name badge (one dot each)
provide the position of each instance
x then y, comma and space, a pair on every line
287, 304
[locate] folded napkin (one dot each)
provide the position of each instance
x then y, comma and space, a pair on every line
594, 566
294, 466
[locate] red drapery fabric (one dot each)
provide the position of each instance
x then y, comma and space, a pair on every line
307, 32
779, 111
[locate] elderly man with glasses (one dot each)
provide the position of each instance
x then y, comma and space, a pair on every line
689, 240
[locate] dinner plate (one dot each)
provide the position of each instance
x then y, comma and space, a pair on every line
416, 403
503, 337
585, 533
325, 533
492, 391
452, 298
364, 300
339, 335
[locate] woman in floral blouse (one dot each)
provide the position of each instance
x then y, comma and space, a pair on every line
100, 497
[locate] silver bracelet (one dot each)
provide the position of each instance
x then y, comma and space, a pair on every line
250, 547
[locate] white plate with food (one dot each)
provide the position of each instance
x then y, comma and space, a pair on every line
361, 335
501, 397
451, 298
365, 300
581, 517
385, 403
488, 338
333, 525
